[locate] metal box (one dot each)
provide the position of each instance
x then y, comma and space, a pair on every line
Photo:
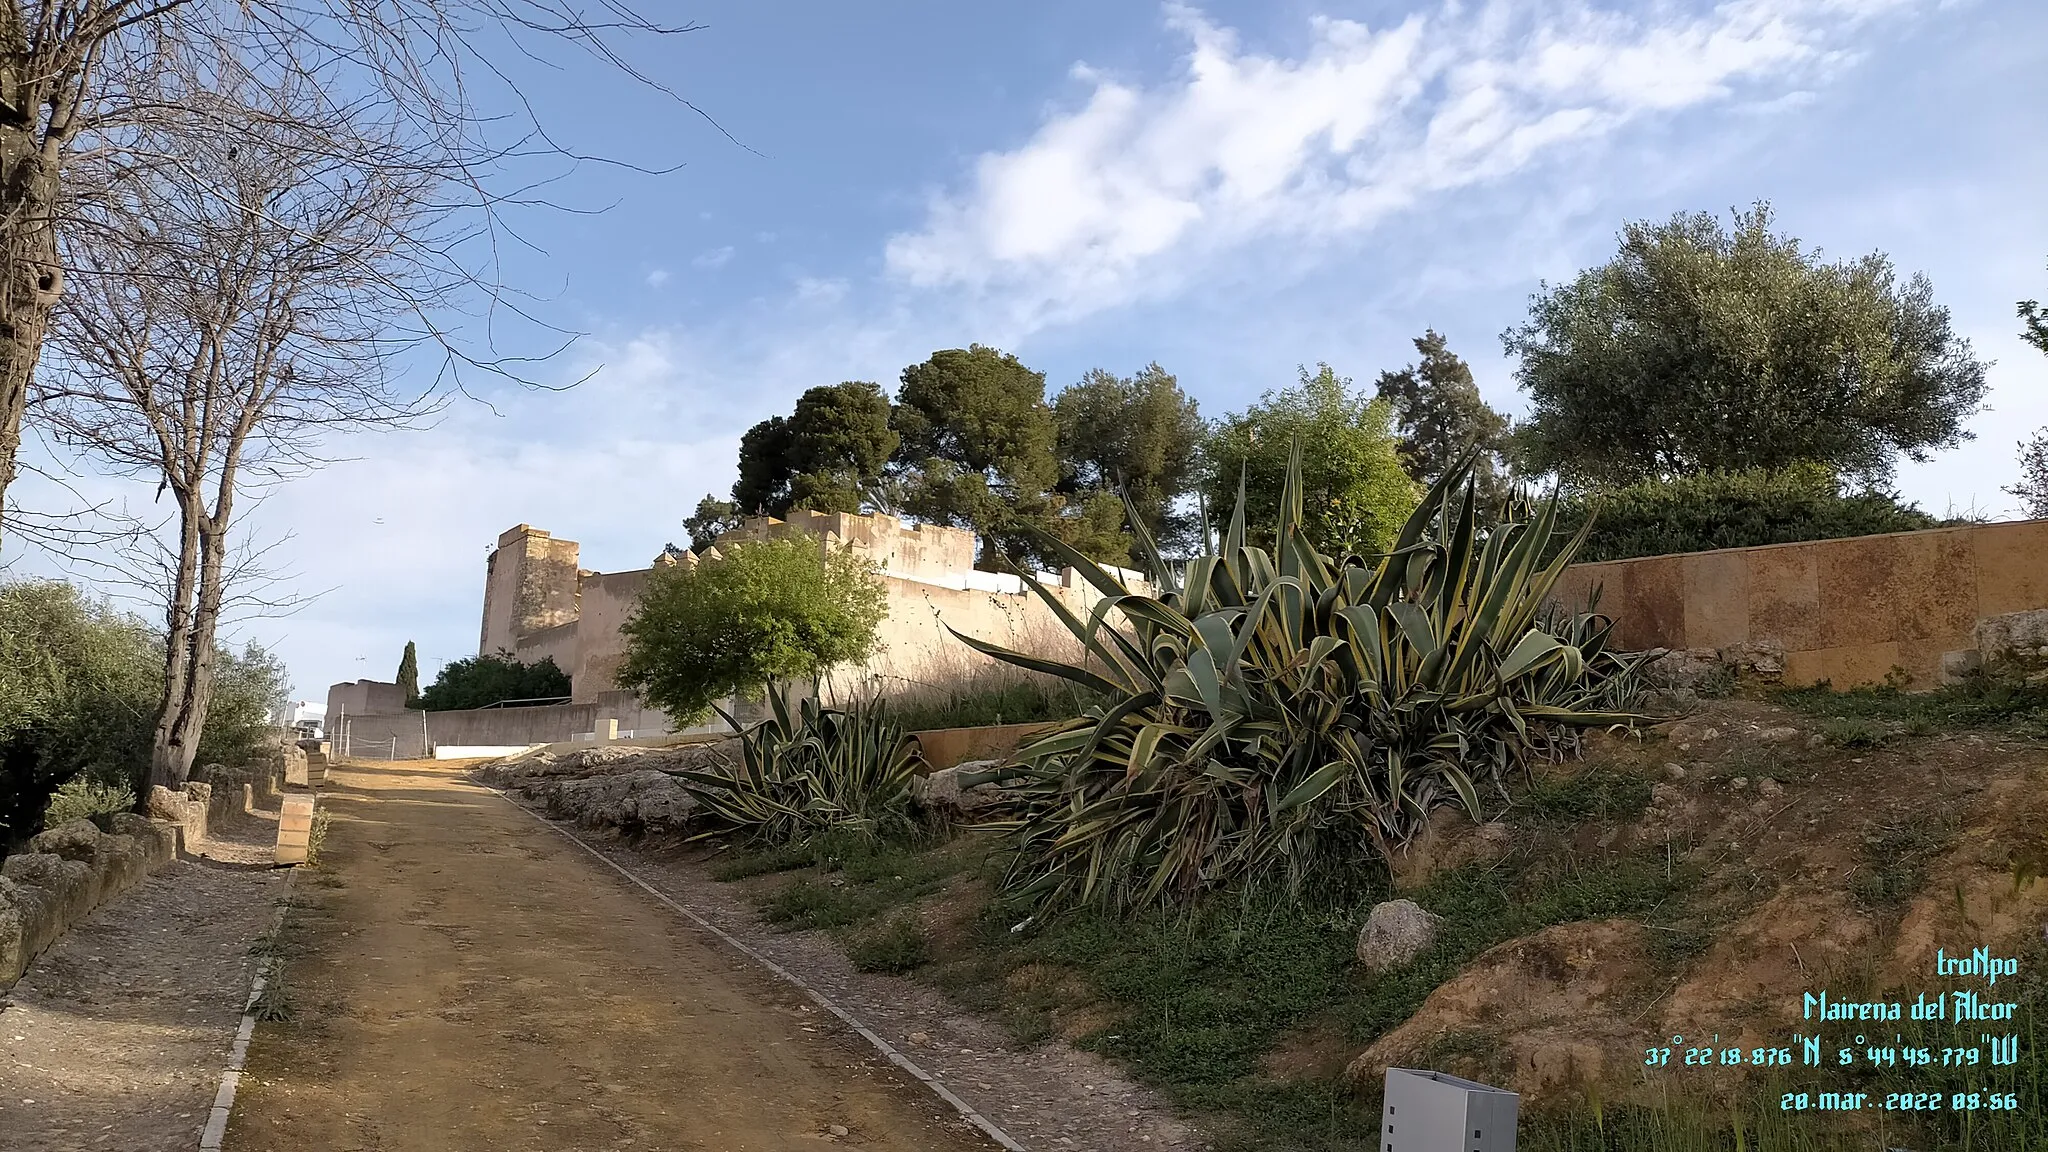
1438, 1112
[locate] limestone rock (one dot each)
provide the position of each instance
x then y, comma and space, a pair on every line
159, 841
1684, 668
649, 800
2014, 640
77, 840
1395, 933
1779, 735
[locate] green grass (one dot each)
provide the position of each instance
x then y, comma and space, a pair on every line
1192, 1002
896, 945
989, 700
1600, 792
1979, 703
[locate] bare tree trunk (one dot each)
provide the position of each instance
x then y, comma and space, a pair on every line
169, 761
29, 275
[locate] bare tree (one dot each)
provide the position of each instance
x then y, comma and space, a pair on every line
76, 82
234, 292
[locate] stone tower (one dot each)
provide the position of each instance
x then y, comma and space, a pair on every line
530, 583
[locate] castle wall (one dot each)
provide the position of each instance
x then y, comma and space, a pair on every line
530, 583
608, 600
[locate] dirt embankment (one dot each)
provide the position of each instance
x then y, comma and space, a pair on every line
1815, 866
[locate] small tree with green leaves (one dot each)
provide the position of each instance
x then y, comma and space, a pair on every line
409, 674
757, 613
1355, 493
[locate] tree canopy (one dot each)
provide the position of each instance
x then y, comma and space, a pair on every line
476, 681
827, 456
758, 612
80, 684
1356, 494
1441, 416
1137, 435
1699, 348
977, 448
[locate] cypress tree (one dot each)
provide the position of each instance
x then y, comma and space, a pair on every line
409, 674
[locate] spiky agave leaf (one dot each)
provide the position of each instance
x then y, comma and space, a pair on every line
1287, 716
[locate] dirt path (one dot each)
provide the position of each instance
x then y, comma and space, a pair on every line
116, 1036
464, 978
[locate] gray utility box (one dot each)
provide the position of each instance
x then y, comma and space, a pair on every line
1438, 1112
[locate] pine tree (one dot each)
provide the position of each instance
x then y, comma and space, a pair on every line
409, 674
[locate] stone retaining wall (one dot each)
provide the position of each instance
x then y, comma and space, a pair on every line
67, 872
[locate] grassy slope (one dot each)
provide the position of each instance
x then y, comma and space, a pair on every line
1243, 1010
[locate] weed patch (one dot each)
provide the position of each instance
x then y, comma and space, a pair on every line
897, 945
1978, 703
1597, 792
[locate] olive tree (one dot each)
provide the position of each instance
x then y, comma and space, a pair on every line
1700, 348
746, 615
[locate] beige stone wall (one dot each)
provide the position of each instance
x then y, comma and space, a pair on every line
608, 599
928, 576
361, 698
530, 583
1847, 612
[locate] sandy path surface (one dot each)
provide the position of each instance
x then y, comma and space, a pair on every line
463, 978
115, 1038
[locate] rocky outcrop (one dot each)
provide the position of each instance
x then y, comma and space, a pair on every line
65, 873
1554, 1010
647, 800
614, 787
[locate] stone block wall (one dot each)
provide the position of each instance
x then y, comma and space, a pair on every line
67, 872
1845, 612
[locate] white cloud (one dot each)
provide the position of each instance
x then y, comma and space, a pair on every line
713, 258
657, 278
1124, 196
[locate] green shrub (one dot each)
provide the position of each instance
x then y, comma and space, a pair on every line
1733, 510
1286, 716
478, 681
811, 770
758, 613
81, 798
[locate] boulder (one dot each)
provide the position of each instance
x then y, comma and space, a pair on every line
1764, 659
2014, 641
77, 840
27, 925
1685, 669
181, 809
68, 884
1395, 933
158, 840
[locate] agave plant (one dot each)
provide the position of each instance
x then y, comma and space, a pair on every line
1287, 716
809, 769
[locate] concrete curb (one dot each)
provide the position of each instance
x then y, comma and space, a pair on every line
231, 1077
897, 1058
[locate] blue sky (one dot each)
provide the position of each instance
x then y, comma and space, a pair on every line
1228, 189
